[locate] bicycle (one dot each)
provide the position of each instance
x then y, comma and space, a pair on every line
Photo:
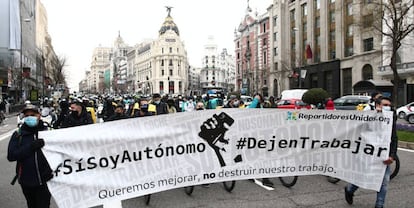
228, 186
395, 168
288, 181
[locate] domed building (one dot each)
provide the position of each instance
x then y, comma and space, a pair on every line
161, 65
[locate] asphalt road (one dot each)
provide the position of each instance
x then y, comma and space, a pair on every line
310, 191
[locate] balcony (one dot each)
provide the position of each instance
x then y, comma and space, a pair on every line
404, 69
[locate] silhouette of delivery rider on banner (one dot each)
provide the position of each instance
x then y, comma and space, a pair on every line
213, 130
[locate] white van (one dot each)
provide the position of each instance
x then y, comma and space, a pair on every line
293, 94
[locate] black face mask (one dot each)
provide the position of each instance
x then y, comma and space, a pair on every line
144, 108
199, 109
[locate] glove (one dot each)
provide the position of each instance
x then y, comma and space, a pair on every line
37, 144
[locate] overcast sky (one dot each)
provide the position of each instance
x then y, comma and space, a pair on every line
78, 26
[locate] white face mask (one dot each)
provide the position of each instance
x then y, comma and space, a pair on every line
386, 108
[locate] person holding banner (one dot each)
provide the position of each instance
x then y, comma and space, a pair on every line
258, 103
78, 116
32, 169
119, 113
381, 104
144, 108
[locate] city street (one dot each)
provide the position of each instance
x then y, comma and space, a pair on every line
310, 191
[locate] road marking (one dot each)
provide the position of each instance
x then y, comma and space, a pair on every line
6, 135
407, 150
259, 183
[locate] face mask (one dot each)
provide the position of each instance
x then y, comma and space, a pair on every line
31, 121
157, 102
386, 108
144, 108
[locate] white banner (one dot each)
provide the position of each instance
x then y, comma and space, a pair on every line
128, 158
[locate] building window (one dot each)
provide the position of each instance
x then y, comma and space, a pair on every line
349, 31
162, 72
349, 51
180, 86
171, 87
238, 44
367, 72
264, 41
292, 15
328, 82
275, 36
317, 4
304, 9
368, 44
317, 22
162, 62
264, 27
347, 81
275, 51
171, 72
162, 50
318, 40
332, 36
161, 86
178, 50
368, 20
332, 16
238, 55
349, 9
171, 62
170, 49
264, 57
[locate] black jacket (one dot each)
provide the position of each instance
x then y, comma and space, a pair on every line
394, 138
32, 167
162, 108
117, 117
73, 119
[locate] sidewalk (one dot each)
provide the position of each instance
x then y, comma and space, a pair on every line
406, 145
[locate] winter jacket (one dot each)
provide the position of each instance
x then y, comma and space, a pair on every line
162, 108
32, 167
73, 119
117, 117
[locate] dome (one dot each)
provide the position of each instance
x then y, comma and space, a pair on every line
169, 25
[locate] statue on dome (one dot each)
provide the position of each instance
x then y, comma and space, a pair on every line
169, 9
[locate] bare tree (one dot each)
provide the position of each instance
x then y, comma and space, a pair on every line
58, 73
397, 23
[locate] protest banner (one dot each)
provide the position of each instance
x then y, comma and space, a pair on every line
124, 159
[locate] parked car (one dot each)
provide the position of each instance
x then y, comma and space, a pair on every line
410, 117
404, 110
292, 104
350, 102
